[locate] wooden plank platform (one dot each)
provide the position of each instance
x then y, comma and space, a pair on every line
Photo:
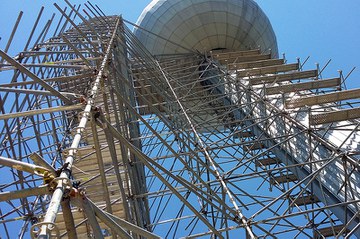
283, 77
233, 54
243, 134
296, 87
283, 179
268, 70
255, 64
323, 99
328, 232
266, 162
245, 59
305, 200
335, 116
254, 146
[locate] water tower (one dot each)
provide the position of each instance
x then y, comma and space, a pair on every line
191, 126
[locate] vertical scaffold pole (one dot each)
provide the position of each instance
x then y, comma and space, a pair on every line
59, 191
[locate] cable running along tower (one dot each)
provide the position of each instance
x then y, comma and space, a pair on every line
191, 126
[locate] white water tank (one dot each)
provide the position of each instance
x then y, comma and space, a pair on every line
178, 26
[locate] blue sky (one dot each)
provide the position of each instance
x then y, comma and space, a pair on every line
322, 29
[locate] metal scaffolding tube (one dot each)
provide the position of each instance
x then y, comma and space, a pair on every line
85, 36
90, 215
41, 111
187, 145
146, 160
22, 166
131, 227
41, 190
12, 34
68, 218
93, 209
219, 177
58, 193
168, 146
31, 75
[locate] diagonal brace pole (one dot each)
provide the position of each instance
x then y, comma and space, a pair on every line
110, 222
34, 77
129, 226
22, 166
146, 160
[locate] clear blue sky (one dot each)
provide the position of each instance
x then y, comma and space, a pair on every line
323, 29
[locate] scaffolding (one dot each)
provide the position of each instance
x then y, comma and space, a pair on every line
100, 139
